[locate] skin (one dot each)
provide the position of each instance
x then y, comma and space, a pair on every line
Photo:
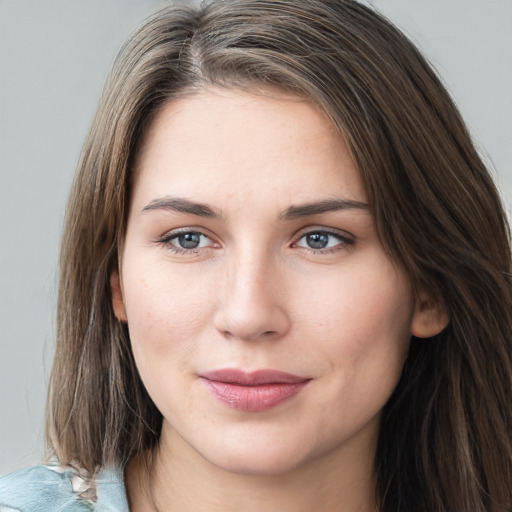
255, 294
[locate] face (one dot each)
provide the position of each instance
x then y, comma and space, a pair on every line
268, 324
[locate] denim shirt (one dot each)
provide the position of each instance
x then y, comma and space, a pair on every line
54, 488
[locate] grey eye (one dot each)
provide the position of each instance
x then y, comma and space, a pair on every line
320, 240
188, 240
317, 240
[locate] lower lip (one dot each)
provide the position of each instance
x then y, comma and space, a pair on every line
254, 398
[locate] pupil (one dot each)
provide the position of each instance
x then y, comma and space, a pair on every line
318, 240
189, 240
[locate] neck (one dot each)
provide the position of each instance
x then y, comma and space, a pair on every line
176, 478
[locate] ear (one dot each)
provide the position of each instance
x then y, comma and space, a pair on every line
429, 318
117, 297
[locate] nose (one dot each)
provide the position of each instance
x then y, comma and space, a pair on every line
252, 300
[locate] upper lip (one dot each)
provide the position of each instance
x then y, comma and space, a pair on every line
254, 378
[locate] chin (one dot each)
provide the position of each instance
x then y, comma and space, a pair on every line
270, 457
271, 464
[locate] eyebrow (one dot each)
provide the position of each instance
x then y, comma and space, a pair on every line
182, 205
319, 207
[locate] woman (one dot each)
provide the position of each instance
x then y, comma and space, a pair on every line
284, 279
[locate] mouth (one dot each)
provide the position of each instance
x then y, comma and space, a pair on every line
255, 391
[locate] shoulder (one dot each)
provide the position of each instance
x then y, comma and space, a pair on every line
64, 488
45, 488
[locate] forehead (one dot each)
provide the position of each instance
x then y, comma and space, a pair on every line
218, 142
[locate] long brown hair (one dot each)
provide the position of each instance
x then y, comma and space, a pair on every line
445, 440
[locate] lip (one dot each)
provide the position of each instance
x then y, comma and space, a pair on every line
253, 391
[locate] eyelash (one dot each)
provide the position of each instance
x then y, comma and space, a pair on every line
345, 241
166, 241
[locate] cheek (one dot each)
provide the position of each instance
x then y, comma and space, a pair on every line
166, 311
362, 331
166, 318
361, 320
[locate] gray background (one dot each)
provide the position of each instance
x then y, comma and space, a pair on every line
54, 56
